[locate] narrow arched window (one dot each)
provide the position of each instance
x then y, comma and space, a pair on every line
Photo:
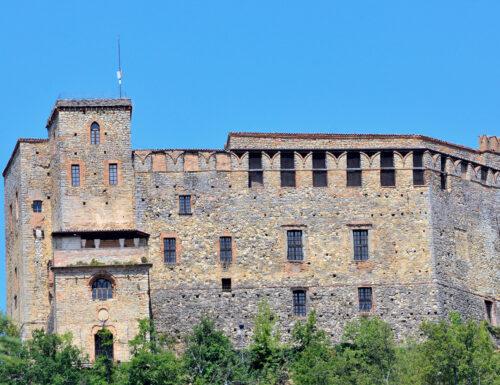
94, 133
102, 289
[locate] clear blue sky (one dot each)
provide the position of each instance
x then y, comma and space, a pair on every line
196, 70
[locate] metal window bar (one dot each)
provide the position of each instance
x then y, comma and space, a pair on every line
169, 252
113, 173
360, 245
94, 133
37, 206
75, 175
365, 299
184, 204
294, 252
299, 302
418, 169
102, 289
226, 252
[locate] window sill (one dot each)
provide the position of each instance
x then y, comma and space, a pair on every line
394, 186
369, 259
186, 214
295, 261
365, 313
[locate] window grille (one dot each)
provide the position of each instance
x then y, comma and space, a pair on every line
169, 252
113, 173
319, 169
226, 284
418, 170
75, 175
287, 169
37, 206
365, 299
299, 302
184, 204
387, 172
360, 238
489, 310
294, 240
255, 173
94, 133
226, 251
103, 343
353, 169
102, 289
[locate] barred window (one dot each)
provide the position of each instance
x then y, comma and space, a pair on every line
319, 169
294, 241
360, 238
75, 175
287, 169
169, 252
37, 206
255, 173
418, 170
387, 172
113, 173
102, 289
353, 169
94, 133
226, 251
184, 204
299, 302
365, 299
226, 284
103, 344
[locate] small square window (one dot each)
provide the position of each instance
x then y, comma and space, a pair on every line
113, 174
360, 241
299, 302
37, 206
184, 204
294, 241
226, 285
169, 250
226, 251
365, 299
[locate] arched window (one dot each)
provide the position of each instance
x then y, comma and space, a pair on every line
102, 289
94, 133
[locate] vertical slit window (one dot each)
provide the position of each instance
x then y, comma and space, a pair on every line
226, 251
287, 169
353, 169
294, 241
418, 168
113, 173
169, 250
360, 238
299, 302
37, 206
443, 172
184, 204
75, 175
94, 133
226, 285
387, 172
365, 299
255, 172
489, 310
319, 169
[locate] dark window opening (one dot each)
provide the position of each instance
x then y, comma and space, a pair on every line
387, 172
484, 174
226, 284
489, 310
226, 251
299, 302
113, 173
103, 344
365, 299
184, 204
353, 169
360, 238
94, 133
15, 302
287, 169
418, 168
102, 289
463, 169
443, 173
319, 169
37, 206
169, 253
255, 173
294, 241
75, 175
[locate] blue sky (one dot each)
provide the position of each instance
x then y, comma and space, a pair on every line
196, 70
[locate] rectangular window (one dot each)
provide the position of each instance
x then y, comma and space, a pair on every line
443, 172
387, 172
360, 238
463, 169
299, 302
418, 168
489, 310
184, 204
226, 285
75, 175
294, 241
319, 169
484, 174
365, 299
10, 218
37, 206
226, 251
169, 252
353, 169
287, 169
255, 173
113, 173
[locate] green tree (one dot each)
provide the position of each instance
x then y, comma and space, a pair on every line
13, 362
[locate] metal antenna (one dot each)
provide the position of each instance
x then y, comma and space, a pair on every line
119, 72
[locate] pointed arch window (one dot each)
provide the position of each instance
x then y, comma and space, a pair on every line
95, 133
102, 289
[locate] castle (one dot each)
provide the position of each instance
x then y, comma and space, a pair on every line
98, 235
